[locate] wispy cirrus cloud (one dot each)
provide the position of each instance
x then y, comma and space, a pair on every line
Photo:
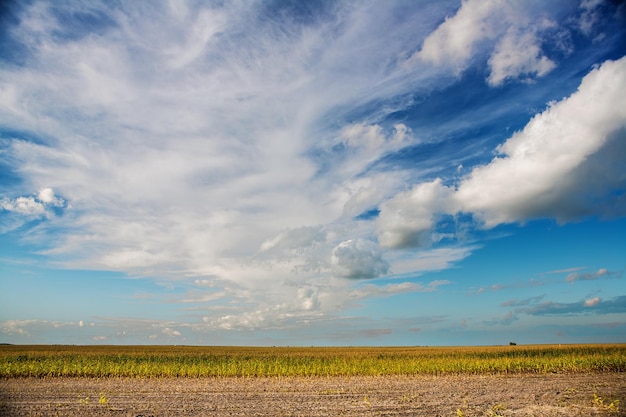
190, 147
566, 270
371, 290
222, 146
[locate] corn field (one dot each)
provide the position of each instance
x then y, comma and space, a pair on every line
195, 361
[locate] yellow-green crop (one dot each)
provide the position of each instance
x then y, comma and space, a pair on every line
195, 361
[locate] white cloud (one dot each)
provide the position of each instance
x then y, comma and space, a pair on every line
268, 317
46, 195
356, 147
170, 332
294, 240
510, 32
308, 298
564, 162
368, 192
26, 328
408, 218
206, 25
592, 301
359, 135
11, 327
204, 282
38, 206
518, 55
373, 138
543, 169
28, 206
358, 258
452, 43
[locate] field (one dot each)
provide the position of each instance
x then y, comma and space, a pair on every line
453, 381
188, 361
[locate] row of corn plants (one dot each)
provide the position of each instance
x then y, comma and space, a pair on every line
190, 361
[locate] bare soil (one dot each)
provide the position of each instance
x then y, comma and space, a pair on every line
484, 395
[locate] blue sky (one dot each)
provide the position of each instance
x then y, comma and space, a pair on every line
313, 173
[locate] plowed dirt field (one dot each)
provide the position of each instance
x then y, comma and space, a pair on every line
484, 395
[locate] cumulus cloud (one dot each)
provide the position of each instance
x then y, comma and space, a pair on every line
372, 137
542, 169
564, 164
27, 208
170, 332
518, 55
510, 33
33, 205
358, 258
408, 218
359, 135
46, 196
453, 41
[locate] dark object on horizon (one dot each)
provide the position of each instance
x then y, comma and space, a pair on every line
512, 344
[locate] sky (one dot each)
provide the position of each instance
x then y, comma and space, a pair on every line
313, 173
